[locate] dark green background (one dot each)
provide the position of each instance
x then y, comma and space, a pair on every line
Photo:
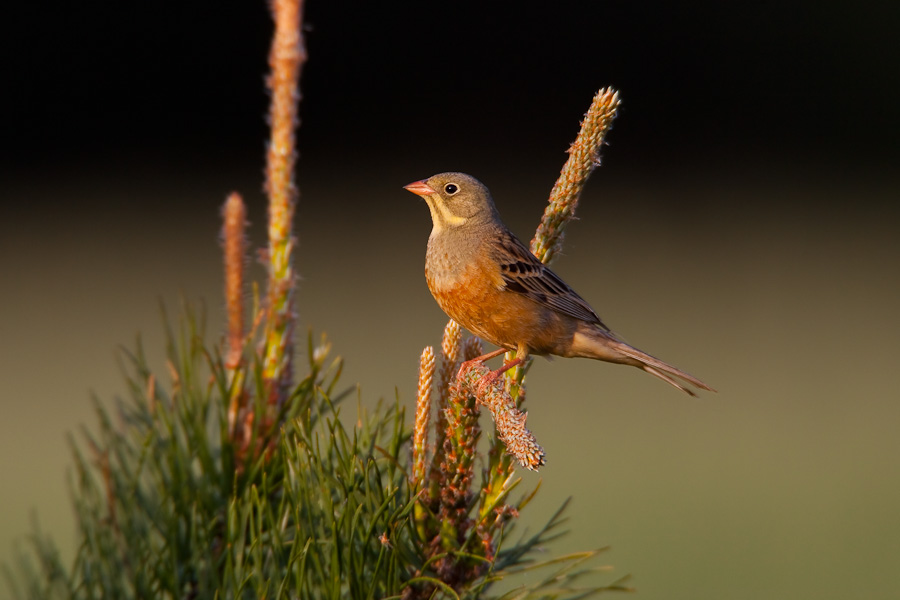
744, 226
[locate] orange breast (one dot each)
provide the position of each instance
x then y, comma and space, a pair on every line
476, 299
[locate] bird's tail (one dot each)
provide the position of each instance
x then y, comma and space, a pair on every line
661, 369
604, 346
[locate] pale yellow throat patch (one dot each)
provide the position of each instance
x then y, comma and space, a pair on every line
441, 215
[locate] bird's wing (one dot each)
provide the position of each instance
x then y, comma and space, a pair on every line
524, 274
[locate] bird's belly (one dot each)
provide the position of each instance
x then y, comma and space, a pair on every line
499, 316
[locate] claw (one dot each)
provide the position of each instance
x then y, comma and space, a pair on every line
464, 367
489, 379
492, 376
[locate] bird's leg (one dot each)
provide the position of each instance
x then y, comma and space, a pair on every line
479, 359
491, 377
513, 363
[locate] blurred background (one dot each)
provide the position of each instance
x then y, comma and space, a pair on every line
744, 226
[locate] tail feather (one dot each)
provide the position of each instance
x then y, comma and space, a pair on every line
668, 380
660, 369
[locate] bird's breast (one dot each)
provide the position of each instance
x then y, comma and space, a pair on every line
472, 293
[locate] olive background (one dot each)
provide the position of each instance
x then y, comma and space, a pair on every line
743, 226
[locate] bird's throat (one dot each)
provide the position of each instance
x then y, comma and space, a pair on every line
441, 216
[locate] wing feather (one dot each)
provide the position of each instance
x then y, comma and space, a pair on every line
524, 274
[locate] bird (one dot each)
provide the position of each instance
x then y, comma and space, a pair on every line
489, 282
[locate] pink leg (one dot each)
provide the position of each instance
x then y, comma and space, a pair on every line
480, 359
491, 377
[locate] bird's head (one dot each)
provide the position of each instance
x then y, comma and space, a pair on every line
455, 200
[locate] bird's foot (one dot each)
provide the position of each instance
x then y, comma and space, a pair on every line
488, 380
467, 365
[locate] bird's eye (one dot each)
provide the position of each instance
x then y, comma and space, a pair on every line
451, 188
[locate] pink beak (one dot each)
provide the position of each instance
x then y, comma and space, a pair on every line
420, 188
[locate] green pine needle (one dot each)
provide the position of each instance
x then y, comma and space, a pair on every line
168, 506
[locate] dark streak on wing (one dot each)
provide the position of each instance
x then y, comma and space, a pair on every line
524, 274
